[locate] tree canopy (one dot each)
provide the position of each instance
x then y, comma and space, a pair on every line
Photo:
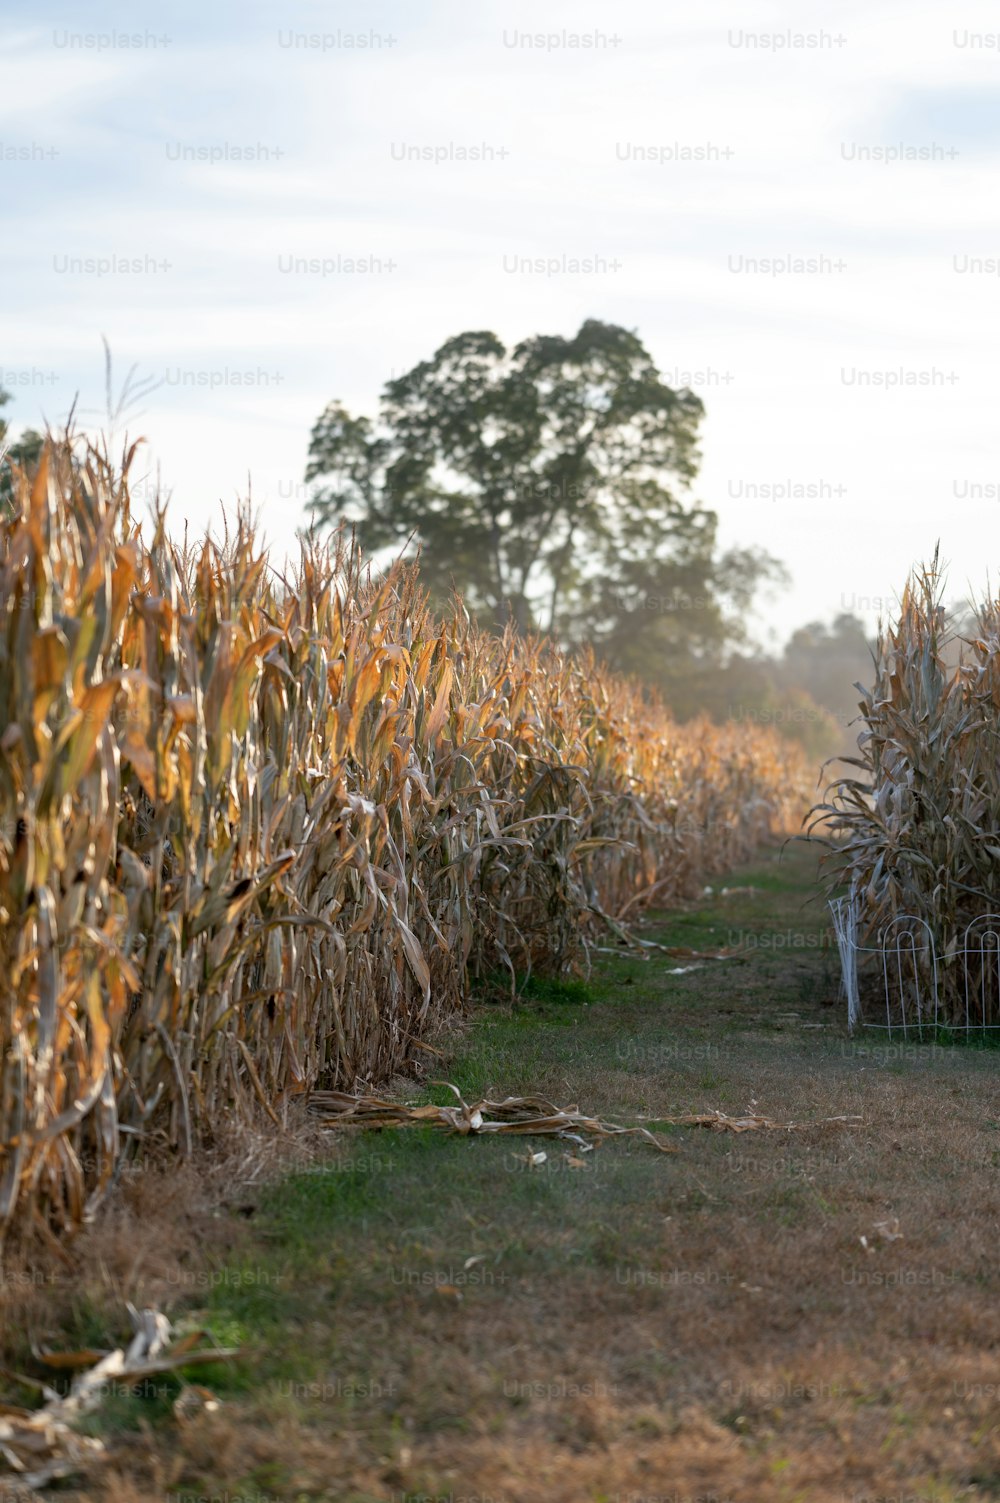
550, 485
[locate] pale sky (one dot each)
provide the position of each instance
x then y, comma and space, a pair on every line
851, 406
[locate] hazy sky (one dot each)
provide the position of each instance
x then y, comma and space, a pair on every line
795, 206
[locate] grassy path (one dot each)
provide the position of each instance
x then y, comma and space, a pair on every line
433, 1318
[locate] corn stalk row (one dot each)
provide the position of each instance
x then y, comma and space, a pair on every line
258, 834
916, 830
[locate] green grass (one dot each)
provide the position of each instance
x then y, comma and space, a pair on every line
410, 1206
942, 1037
390, 1293
556, 989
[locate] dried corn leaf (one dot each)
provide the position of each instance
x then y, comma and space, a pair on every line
527, 1116
41, 1445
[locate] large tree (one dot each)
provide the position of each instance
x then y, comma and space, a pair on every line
23, 452
550, 484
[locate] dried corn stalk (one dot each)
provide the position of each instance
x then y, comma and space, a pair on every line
38, 1446
257, 833
530, 1116
917, 831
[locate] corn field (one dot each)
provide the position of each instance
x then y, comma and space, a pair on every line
258, 834
917, 834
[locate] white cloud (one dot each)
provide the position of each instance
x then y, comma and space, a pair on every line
899, 463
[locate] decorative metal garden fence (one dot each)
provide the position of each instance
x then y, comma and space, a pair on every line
903, 972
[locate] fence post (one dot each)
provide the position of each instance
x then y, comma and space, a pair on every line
845, 928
